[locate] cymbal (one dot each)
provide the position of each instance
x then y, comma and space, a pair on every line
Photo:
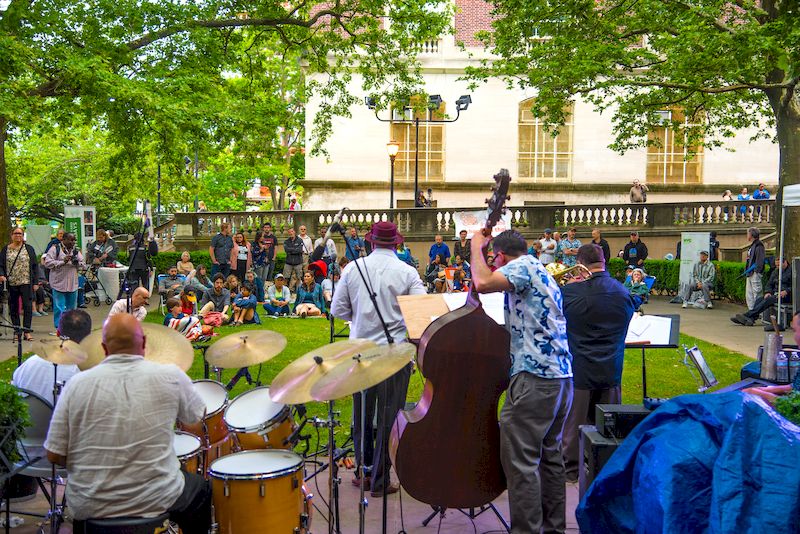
164, 345
293, 384
244, 349
362, 371
60, 351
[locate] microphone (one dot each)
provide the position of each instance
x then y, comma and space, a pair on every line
335, 226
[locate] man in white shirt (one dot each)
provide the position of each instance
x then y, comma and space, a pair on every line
139, 304
388, 277
36, 374
548, 253
308, 244
113, 430
329, 254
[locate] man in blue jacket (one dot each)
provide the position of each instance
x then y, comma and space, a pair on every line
598, 311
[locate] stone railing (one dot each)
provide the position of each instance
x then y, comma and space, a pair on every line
196, 229
164, 235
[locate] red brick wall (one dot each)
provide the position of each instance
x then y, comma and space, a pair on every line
472, 16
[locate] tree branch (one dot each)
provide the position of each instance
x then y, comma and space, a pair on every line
714, 22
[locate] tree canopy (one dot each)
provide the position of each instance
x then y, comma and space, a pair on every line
159, 77
729, 64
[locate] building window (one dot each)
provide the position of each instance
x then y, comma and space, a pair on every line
542, 157
669, 159
431, 144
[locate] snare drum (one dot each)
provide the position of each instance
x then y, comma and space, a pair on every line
215, 396
259, 423
188, 448
259, 492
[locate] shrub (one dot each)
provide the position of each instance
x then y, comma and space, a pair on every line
13, 418
122, 224
164, 260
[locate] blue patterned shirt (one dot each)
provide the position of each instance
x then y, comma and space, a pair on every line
534, 317
570, 261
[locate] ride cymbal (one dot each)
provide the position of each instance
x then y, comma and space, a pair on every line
362, 371
164, 345
293, 384
244, 349
60, 351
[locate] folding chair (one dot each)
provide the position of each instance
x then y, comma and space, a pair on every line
162, 298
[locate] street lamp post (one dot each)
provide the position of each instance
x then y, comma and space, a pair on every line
392, 147
158, 197
434, 102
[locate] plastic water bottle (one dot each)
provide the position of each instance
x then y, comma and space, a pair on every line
794, 365
783, 368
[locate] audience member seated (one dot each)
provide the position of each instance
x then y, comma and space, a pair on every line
188, 300
232, 283
172, 284
129, 468
490, 263
435, 275
216, 300
764, 304
535, 249
244, 307
703, 274
185, 265
319, 269
329, 286
185, 323
36, 374
637, 287
462, 265
199, 279
459, 282
139, 304
278, 296
258, 285
102, 251
309, 301
404, 253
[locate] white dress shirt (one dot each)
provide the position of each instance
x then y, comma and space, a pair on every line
121, 306
115, 424
389, 277
36, 375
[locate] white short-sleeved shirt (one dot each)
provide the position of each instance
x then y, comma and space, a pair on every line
36, 374
114, 423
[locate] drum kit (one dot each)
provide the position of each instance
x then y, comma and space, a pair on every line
244, 445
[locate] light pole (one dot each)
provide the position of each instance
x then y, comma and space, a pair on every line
434, 102
392, 148
158, 197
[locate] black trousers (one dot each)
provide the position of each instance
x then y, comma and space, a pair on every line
138, 277
762, 304
25, 292
192, 509
391, 393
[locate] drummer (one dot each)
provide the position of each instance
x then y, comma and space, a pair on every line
113, 430
388, 277
36, 374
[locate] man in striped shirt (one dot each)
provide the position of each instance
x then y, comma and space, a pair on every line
703, 274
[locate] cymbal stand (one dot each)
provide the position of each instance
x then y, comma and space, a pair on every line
55, 515
362, 468
333, 480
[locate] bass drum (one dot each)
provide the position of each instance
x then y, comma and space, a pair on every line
259, 492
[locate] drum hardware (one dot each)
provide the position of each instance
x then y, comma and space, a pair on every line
203, 347
164, 345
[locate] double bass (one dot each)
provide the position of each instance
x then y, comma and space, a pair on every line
446, 450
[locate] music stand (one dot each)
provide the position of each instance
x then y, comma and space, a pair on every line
671, 343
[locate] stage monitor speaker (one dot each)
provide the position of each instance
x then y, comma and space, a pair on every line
595, 450
618, 420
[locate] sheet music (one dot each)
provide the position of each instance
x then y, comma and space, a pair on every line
650, 329
493, 304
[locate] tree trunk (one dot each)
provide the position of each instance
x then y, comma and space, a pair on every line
5, 216
788, 127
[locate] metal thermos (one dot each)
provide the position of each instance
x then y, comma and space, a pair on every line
773, 343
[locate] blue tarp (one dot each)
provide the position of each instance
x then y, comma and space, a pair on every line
700, 463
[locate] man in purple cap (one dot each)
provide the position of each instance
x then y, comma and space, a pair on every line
387, 277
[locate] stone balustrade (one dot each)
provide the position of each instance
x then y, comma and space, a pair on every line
193, 230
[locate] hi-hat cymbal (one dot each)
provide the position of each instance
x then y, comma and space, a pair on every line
362, 371
163, 345
244, 349
59, 351
293, 384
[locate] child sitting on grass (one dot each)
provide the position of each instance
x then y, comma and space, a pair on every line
244, 307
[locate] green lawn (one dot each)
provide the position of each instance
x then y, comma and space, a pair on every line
666, 374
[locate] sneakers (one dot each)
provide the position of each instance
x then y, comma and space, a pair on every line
685, 304
303, 315
742, 320
36, 314
357, 482
709, 306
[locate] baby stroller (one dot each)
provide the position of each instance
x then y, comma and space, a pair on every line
93, 288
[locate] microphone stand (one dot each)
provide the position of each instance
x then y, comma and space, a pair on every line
18, 331
384, 452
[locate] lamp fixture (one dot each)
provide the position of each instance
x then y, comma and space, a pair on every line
463, 102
